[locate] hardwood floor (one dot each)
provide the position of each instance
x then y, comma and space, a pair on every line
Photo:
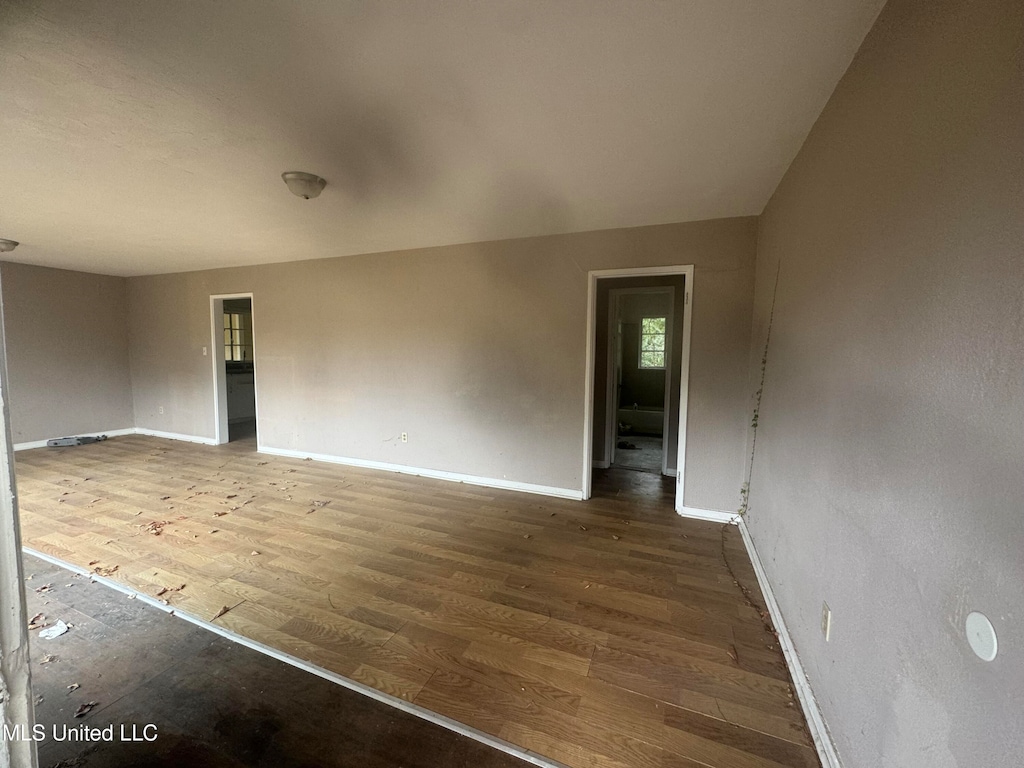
609, 633
129, 664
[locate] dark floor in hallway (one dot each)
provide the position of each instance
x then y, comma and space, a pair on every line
646, 454
242, 430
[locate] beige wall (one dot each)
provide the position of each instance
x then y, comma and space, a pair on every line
890, 450
477, 351
67, 352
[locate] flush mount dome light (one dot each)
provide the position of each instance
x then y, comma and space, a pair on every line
305, 185
7, 245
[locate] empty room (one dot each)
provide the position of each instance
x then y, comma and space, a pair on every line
592, 384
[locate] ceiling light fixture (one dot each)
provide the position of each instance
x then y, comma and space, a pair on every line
304, 185
7, 245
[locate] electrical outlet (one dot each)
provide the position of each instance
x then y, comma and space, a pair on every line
826, 621
161, 409
204, 351
405, 437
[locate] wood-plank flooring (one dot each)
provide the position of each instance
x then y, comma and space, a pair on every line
603, 634
193, 690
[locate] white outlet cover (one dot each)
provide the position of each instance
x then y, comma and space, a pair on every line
982, 636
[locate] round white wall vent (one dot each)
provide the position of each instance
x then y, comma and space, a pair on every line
981, 635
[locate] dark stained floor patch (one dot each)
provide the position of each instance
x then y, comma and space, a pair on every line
213, 702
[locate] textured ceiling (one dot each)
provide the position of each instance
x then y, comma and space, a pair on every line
148, 137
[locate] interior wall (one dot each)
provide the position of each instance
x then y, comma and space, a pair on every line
643, 387
67, 352
476, 351
890, 447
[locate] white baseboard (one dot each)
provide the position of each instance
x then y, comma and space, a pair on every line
30, 445
713, 515
487, 482
175, 436
815, 722
42, 443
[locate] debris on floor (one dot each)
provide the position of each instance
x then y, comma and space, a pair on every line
55, 631
156, 527
86, 708
76, 440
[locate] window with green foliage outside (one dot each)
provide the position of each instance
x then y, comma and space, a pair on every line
237, 337
652, 342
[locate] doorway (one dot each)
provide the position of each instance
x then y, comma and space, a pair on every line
234, 367
603, 395
639, 369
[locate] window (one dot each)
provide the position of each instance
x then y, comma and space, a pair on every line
652, 342
237, 336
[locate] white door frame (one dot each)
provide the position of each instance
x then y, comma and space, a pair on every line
220, 377
611, 433
684, 367
611, 386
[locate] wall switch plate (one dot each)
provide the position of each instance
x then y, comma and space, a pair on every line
826, 621
161, 409
405, 437
204, 351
